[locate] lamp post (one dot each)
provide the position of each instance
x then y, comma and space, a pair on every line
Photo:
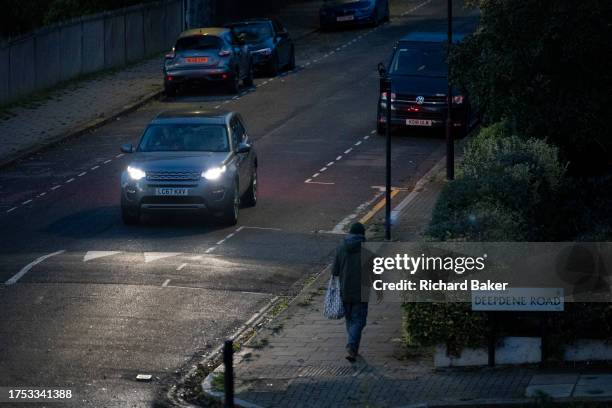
450, 143
385, 86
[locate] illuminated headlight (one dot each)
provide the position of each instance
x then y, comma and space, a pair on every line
135, 173
458, 99
214, 173
265, 51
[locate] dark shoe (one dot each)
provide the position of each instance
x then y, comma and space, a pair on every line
351, 355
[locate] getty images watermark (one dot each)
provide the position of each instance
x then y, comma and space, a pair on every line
435, 272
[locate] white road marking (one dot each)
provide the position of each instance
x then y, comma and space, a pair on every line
339, 158
263, 228
107, 161
26, 202
69, 180
154, 256
209, 250
181, 266
366, 137
319, 182
339, 228
220, 242
315, 175
81, 174
347, 151
44, 193
165, 284
358, 143
11, 210
322, 169
29, 266
372, 132
56, 187
307, 181
90, 255
119, 155
95, 167
330, 164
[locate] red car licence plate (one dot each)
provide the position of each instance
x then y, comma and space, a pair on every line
197, 60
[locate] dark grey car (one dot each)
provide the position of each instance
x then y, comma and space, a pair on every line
206, 55
191, 161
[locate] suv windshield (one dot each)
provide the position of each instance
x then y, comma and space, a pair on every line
198, 42
253, 32
184, 138
420, 60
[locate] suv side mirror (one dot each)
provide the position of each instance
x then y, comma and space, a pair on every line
243, 148
382, 71
127, 148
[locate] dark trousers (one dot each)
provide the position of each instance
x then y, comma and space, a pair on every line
355, 315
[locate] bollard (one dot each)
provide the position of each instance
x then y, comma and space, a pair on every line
228, 362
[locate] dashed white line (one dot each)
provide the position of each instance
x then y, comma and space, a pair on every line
26, 202
69, 181
209, 250
11, 210
372, 132
366, 137
165, 284
217, 107
107, 161
339, 158
181, 266
358, 143
119, 155
347, 151
95, 167
315, 175
308, 180
44, 193
81, 174
322, 169
221, 242
56, 187
330, 164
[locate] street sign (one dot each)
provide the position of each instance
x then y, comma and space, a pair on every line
519, 300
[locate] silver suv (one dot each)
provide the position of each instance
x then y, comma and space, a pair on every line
190, 161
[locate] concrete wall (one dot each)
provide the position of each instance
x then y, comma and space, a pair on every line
64, 51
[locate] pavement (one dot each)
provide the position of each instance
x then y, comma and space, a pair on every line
297, 360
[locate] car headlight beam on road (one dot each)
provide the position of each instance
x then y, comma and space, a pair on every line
135, 173
214, 173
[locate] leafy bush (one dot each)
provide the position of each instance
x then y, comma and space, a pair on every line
428, 324
504, 191
540, 64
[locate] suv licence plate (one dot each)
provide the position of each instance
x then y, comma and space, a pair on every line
171, 191
418, 122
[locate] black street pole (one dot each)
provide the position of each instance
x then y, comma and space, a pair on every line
228, 362
450, 143
388, 170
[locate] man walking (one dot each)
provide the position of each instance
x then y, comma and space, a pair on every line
351, 266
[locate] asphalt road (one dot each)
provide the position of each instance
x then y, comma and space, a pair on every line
94, 303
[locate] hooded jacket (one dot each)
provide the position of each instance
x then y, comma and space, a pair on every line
351, 265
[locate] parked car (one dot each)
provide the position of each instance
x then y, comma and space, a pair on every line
269, 42
206, 55
419, 84
335, 13
200, 161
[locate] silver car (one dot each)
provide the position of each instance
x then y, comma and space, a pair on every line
190, 161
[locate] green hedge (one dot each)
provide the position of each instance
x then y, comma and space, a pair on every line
504, 190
